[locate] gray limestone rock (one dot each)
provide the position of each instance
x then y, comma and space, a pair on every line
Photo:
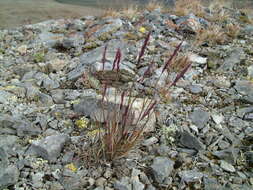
191, 176
8, 176
195, 89
229, 155
50, 147
5, 96
245, 89
123, 184
17, 126
250, 71
3, 157
226, 166
235, 57
162, 168
95, 56
45, 81
190, 141
110, 26
199, 117
249, 158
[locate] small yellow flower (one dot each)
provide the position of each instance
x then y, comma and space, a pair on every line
142, 30
71, 167
82, 123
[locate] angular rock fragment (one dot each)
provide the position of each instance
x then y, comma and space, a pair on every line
191, 176
190, 141
50, 147
8, 176
199, 117
162, 168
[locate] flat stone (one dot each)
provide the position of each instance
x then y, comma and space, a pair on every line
245, 88
197, 59
199, 117
195, 89
243, 111
217, 118
223, 145
190, 141
250, 71
110, 26
123, 184
226, 166
50, 147
100, 182
137, 185
211, 184
18, 126
150, 141
8, 176
249, 117
37, 179
162, 168
3, 157
95, 56
45, 81
235, 57
249, 158
191, 176
229, 155
49, 39
6, 96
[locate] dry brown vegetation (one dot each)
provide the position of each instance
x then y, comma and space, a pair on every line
214, 34
128, 12
232, 30
185, 7
152, 5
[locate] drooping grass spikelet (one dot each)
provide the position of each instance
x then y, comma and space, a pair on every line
144, 46
181, 74
168, 63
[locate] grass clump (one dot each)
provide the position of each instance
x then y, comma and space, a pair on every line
185, 7
125, 115
212, 35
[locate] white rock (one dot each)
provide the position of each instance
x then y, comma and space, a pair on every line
197, 59
217, 118
226, 166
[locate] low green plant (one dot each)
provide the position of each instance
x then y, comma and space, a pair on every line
123, 125
39, 57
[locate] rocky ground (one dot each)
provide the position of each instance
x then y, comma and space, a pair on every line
202, 137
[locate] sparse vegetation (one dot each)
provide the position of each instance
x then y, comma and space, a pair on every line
124, 123
232, 30
214, 34
153, 4
185, 7
39, 57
